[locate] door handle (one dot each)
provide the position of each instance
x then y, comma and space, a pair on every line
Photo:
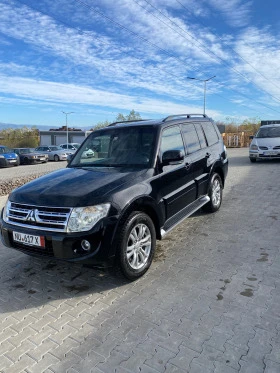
207, 155
188, 166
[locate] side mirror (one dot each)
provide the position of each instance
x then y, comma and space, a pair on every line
251, 137
69, 157
172, 157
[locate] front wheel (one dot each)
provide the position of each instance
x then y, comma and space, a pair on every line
137, 242
56, 158
253, 160
215, 193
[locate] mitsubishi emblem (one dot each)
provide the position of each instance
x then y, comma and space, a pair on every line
31, 216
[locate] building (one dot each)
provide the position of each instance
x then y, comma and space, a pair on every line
59, 136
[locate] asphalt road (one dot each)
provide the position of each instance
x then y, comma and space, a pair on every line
26, 170
209, 303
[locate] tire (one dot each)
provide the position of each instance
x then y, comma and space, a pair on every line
136, 246
253, 160
215, 192
26, 160
56, 158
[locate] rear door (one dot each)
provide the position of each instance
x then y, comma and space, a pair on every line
212, 138
197, 149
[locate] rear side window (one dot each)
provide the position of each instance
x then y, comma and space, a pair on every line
172, 139
210, 133
201, 136
191, 137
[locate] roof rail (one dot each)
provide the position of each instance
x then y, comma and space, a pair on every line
171, 117
127, 121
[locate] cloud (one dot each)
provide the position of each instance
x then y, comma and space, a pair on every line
51, 92
236, 12
261, 48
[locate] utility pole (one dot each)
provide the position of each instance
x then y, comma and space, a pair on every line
66, 118
205, 81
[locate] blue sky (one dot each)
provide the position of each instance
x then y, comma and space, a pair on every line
101, 58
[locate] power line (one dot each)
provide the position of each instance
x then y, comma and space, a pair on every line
242, 58
145, 40
101, 14
203, 47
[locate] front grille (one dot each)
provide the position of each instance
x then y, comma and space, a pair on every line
263, 147
38, 217
277, 147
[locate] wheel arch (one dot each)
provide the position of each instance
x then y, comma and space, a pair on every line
142, 204
218, 170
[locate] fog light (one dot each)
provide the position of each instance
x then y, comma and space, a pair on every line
85, 245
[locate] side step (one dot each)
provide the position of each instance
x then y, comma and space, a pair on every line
183, 214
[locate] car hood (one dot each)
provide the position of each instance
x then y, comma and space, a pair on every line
267, 141
9, 155
73, 187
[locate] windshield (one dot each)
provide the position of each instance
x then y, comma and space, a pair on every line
4, 150
52, 148
268, 132
116, 147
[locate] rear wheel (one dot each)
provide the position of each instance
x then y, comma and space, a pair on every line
253, 160
136, 246
215, 193
56, 158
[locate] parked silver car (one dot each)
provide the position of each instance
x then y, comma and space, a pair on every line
54, 152
266, 143
70, 146
73, 146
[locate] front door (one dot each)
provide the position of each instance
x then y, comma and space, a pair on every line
175, 183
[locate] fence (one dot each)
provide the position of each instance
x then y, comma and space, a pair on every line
237, 139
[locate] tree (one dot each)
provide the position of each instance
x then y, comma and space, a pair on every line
133, 115
20, 137
101, 125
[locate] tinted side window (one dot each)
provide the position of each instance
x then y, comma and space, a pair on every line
172, 139
190, 137
210, 133
200, 135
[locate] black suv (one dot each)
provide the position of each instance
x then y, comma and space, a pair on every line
145, 178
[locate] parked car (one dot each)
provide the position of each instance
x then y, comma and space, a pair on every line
266, 143
29, 156
55, 153
70, 146
88, 153
147, 177
8, 157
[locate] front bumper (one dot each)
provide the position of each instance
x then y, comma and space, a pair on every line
7, 162
66, 246
264, 154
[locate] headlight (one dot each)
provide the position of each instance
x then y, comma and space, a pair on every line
84, 218
254, 147
5, 212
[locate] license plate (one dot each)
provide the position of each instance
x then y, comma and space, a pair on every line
29, 239
271, 153
12, 160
